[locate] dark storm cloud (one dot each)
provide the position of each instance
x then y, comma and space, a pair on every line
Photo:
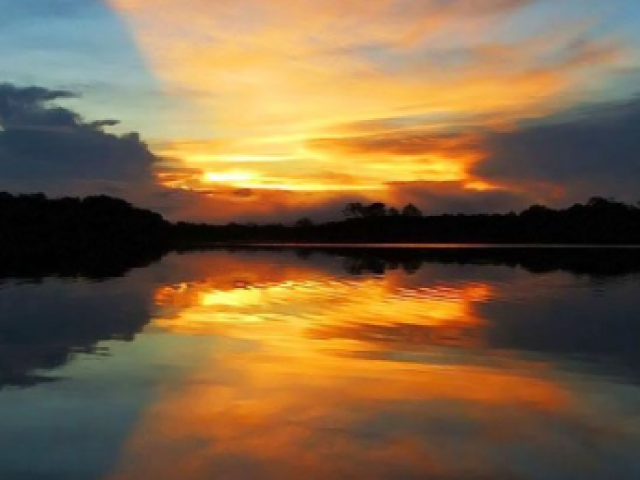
46, 143
26, 96
27, 108
593, 152
590, 151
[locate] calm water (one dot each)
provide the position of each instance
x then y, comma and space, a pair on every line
283, 365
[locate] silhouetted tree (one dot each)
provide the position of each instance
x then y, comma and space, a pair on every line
377, 209
96, 234
304, 223
411, 210
393, 212
35, 228
354, 210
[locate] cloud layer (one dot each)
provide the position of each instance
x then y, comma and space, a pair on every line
596, 151
585, 152
362, 96
42, 143
289, 109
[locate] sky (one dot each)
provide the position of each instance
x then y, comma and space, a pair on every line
265, 110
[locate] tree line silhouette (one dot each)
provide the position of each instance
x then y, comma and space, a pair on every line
101, 235
96, 236
599, 221
378, 209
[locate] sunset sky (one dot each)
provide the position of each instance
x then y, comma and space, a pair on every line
269, 110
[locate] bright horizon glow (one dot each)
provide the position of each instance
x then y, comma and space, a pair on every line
228, 177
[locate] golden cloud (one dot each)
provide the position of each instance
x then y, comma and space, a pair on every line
290, 95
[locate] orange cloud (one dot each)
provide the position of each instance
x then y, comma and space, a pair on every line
264, 80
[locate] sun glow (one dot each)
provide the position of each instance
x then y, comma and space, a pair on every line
256, 181
228, 177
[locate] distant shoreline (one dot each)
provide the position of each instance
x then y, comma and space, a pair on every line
63, 231
422, 246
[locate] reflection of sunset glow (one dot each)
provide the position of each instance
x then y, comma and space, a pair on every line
307, 369
371, 301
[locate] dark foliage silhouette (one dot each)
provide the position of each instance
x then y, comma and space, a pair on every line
95, 237
103, 236
599, 221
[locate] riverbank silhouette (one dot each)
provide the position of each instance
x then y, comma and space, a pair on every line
599, 221
92, 237
100, 237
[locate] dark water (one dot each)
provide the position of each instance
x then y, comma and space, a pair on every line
318, 365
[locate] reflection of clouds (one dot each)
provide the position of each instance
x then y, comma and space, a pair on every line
47, 324
371, 310
281, 423
321, 375
304, 371
294, 404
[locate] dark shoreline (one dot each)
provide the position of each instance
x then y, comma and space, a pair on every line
412, 246
101, 237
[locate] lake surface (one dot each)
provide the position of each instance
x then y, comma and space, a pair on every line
288, 364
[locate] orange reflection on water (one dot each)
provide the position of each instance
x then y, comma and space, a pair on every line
325, 308
331, 377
